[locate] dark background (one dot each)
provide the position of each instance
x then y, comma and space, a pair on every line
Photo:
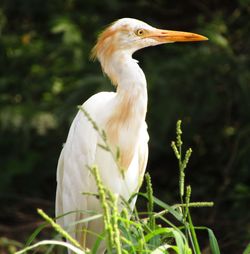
45, 73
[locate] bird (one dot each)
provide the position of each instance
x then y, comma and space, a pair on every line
121, 114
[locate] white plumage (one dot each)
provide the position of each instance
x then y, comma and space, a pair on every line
121, 115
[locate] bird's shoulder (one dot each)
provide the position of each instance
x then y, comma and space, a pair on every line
97, 107
81, 130
98, 99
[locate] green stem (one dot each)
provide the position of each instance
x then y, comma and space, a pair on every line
58, 228
193, 235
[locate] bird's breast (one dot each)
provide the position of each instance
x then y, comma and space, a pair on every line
123, 127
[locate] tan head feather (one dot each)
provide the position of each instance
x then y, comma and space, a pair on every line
105, 46
100, 46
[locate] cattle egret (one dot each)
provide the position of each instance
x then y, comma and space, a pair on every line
121, 115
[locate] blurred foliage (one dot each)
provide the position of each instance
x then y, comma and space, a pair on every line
45, 73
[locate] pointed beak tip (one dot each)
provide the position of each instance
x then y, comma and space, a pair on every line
195, 37
204, 38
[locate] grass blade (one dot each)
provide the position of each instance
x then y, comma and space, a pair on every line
35, 234
193, 239
158, 232
247, 250
52, 242
88, 219
213, 242
98, 241
179, 242
163, 205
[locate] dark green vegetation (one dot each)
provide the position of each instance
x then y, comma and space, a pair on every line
45, 73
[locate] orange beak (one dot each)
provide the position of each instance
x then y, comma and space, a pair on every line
174, 36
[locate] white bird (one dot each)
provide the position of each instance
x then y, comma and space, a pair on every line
121, 115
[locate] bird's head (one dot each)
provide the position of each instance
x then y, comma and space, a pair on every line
129, 35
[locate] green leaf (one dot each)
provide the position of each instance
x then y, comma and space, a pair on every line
97, 243
180, 243
35, 233
247, 250
169, 208
88, 219
161, 204
213, 242
158, 232
193, 237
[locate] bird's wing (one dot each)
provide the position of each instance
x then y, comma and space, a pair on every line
73, 175
59, 205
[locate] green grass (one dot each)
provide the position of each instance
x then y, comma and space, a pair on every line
169, 231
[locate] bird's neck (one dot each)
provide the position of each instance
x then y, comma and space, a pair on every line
129, 78
129, 106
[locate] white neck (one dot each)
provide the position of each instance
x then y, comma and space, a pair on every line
126, 74
129, 106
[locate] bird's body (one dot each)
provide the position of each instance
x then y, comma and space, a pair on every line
121, 115
81, 149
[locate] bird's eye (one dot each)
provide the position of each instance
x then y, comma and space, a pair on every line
139, 32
